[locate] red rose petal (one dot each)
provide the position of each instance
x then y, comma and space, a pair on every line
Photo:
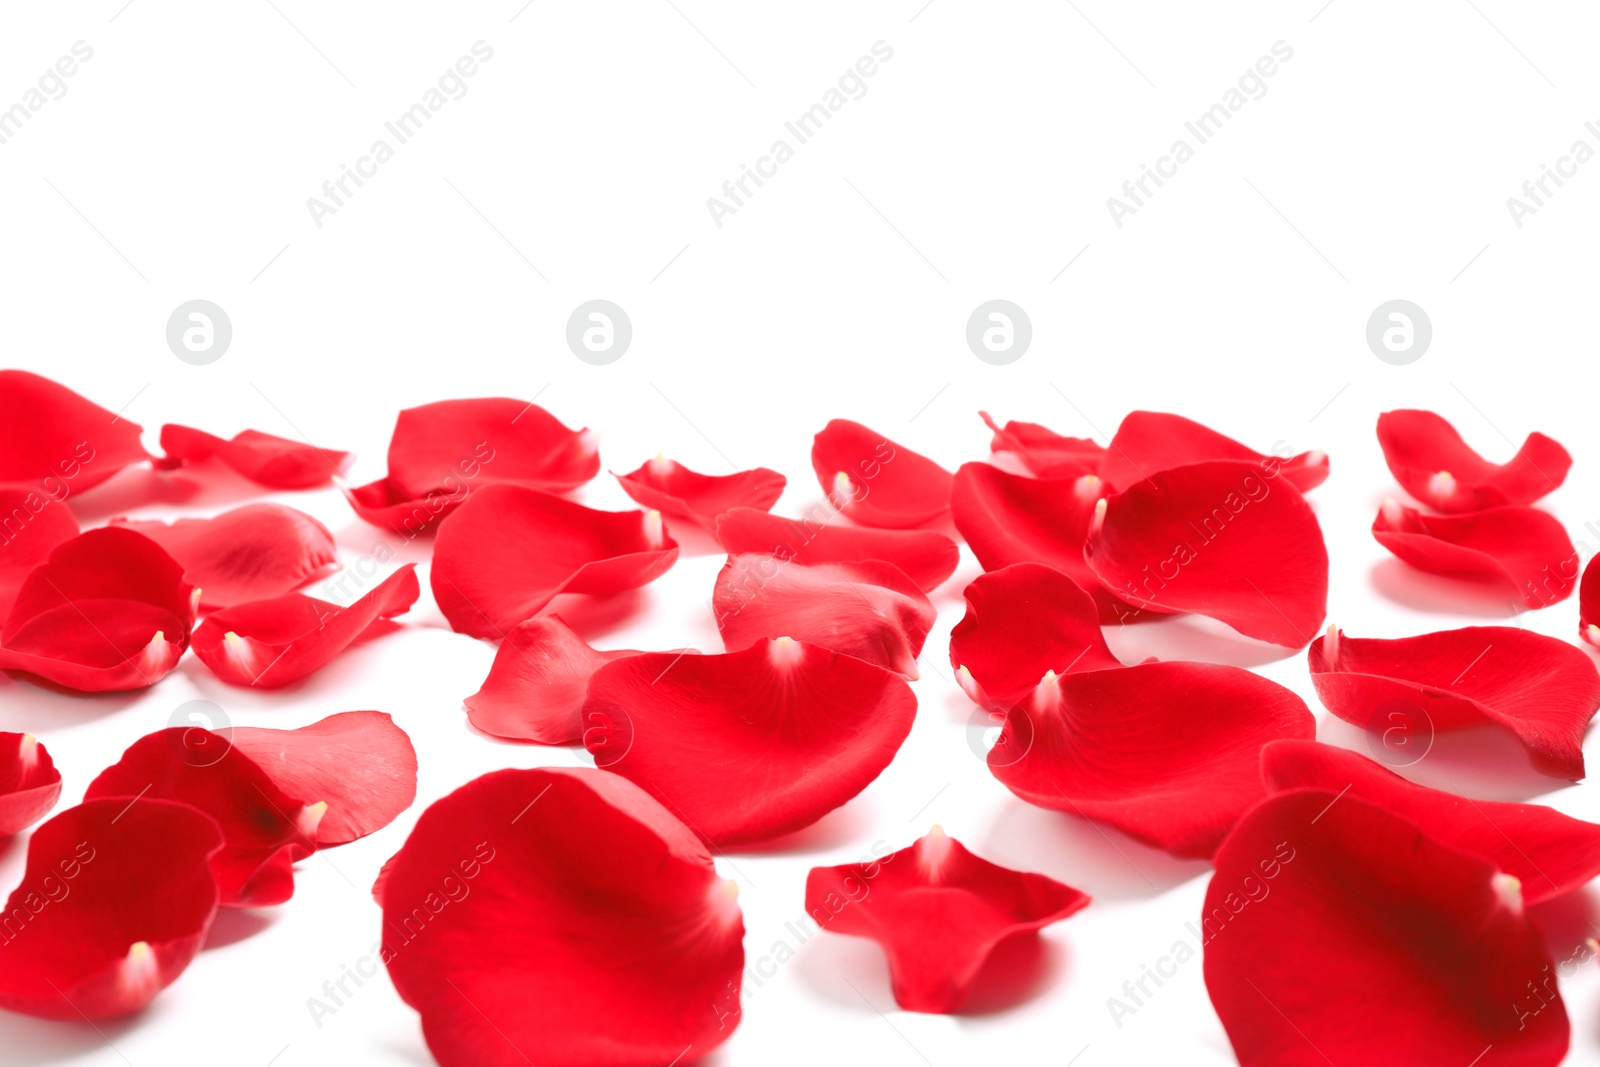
1008, 519
114, 903
1548, 852
1220, 539
249, 553
1524, 547
1044, 452
275, 462
108, 611
927, 558
380, 504
791, 730
1543, 690
1022, 621
875, 481
509, 551
31, 526
537, 685
563, 918
1149, 442
484, 442
273, 643
938, 911
55, 442
265, 829
680, 493
1168, 753
1427, 456
1336, 932
870, 610
358, 763
1589, 604
30, 785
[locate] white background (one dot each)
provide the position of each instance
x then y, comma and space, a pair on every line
977, 166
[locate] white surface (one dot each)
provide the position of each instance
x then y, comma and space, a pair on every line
587, 147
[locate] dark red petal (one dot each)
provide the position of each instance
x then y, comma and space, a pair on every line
875, 481
1336, 932
1022, 621
109, 610
1543, 690
509, 551
31, 526
1149, 442
1168, 753
536, 688
1589, 604
249, 553
1044, 452
680, 493
30, 785
1221, 539
938, 911
114, 903
749, 745
1007, 519
55, 442
275, 462
1427, 456
1524, 547
382, 505
464, 444
272, 643
1548, 852
265, 829
870, 610
562, 918
927, 558
358, 763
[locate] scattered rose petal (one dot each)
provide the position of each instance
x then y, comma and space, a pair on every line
1220, 539
680, 493
1589, 604
1149, 442
55, 442
1543, 690
1336, 932
875, 481
1524, 547
1044, 452
273, 643
938, 911
509, 551
869, 610
1427, 456
565, 918
1168, 753
927, 558
275, 462
792, 731
31, 526
30, 785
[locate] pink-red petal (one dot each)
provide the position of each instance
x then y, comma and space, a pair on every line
31, 526
1427, 456
487, 441
30, 785
1149, 442
680, 493
1589, 604
537, 685
263, 458
875, 481
927, 558
55, 442
1522, 547
1044, 452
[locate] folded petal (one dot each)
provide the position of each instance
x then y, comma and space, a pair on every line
1427, 456
115, 901
1168, 753
1149, 442
870, 610
1022, 621
471, 443
938, 911
1044, 452
875, 481
1549, 853
749, 745
927, 558
273, 643
1522, 547
1326, 910
249, 553
31, 526
1589, 604
561, 917
509, 551
1222, 539
680, 493
275, 462
1543, 690
30, 785
109, 610
381, 504
357, 765
55, 442
536, 687
265, 830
